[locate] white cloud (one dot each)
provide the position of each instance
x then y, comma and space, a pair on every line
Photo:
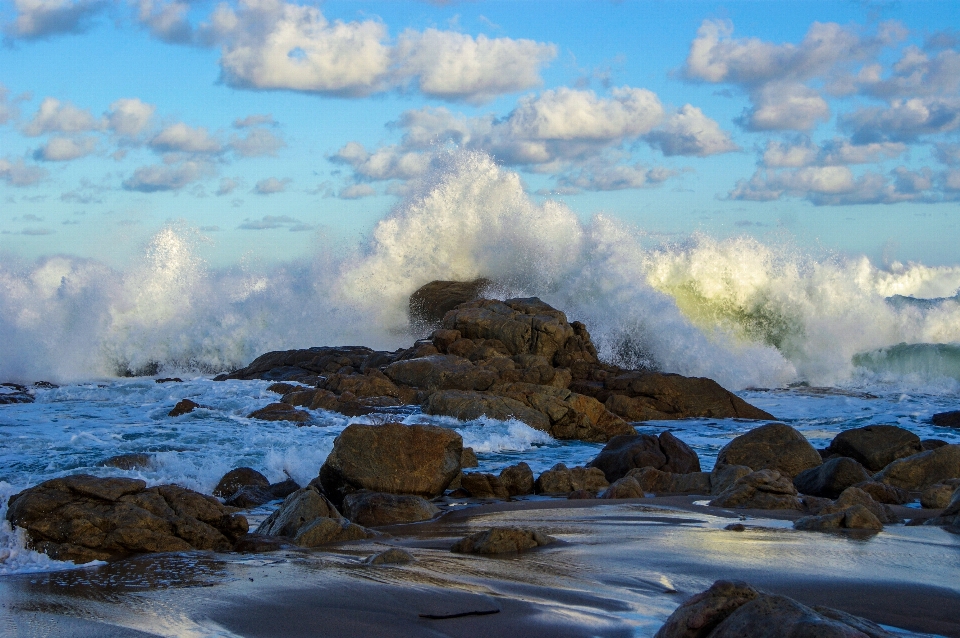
916, 73
42, 18
180, 138
838, 186
129, 116
904, 120
227, 186
19, 174
356, 191
388, 162
611, 178
835, 152
161, 177
271, 185
254, 120
269, 222
256, 142
785, 106
166, 20
55, 116
690, 132
456, 66
63, 149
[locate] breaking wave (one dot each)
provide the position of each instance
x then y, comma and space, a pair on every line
737, 310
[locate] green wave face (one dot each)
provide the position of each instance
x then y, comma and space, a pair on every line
927, 360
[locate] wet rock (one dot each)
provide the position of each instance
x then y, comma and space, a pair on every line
854, 496
297, 510
259, 544
249, 496
659, 482
699, 615
373, 509
883, 493
430, 302
626, 487
237, 478
469, 405
950, 517
562, 480
285, 388
830, 479
468, 458
184, 406
280, 412
132, 461
854, 517
579, 495
875, 446
723, 477
763, 489
347, 403
780, 617
169, 380
870, 629
441, 372
283, 489
502, 540
481, 485
308, 365
774, 446
323, 531
932, 444
947, 419
83, 518
392, 556
11, 393
665, 452
392, 458
517, 479
922, 470
938, 496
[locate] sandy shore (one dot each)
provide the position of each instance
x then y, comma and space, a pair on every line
622, 568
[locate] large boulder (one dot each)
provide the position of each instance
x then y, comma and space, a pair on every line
774, 446
441, 372
660, 482
560, 479
430, 302
875, 446
517, 479
700, 614
502, 540
763, 489
830, 479
920, 471
947, 419
394, 458
938, 496
626, 487
83, 518
665, 452
372, 509
483, 485
237, 478
298, 510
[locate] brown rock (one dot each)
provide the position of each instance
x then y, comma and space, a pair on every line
481, 485
700, 615
659, 482
949, 517
855, 496
468, 405
392, 458
938, 496
184, 406
372, 509
561, 480
392, 556
854, 517
298, 509
773, 446
932, 444
624, 453
763, 489
280, 412
626, 487
237, 478
502, 540
441, 372
284, 388
831, 478
723, 477
947, 419
84, 518
780, 617
875, 446
308, 365
283, 489
579, 495
922, 470
517, 479
322, 531
468, 458
259, 544
133, 461
430, 302
883, 493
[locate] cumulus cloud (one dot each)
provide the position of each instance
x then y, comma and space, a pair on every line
385, 163
690, 132
162, 177
254, 120
257, 142
129, 116
55, 116
63, 149
611, 178
785, 106
835, 152
271, 185
904, 120
166, 20
456, 66
356, 191
180, 138
916, 73
43, 18
19, 174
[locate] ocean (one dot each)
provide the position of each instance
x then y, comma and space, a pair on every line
825, 342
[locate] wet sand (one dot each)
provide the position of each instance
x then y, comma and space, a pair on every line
620, 570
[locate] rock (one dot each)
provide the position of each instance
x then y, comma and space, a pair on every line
347, 403
659, 482
932, 444
441, 372
561, 480
392, 458
132, 461
308, 365
468, 458
280, 412
947, 419
875, 446
736, 527
468, 405
763, 489
283, 489
502, 540
950, 515
372, 509
723, 477
831, 478
773, 446
322, 531
883, 493
184, 406
237, 478
872, 630
624, 453
938, 496
259, 544
780, 617
372, 383
249, 496
481, 485
297, 510
285, 388
169, 380
638, 395
83, 518
430, 302
517, 479
853, 496
392, 556
626, 487
579, 495
854, 517
11, 393
922, 470
699, 615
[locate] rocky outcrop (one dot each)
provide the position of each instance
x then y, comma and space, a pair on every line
832, 478
763, 489
660, 482
562, 480
130, 461
733, 608
665, 452
83, 518
430, 302
773, 446
723, 477
441, 372
309, 365
468, 405
308, 519
394, 458
920, 471
373, 509
280, 412
502, 540
11, 393
875, 446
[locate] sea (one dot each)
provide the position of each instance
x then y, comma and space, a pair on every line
825, 341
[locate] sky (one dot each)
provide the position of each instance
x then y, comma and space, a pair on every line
271, 127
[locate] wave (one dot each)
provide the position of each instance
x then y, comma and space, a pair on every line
737, 310
924, 360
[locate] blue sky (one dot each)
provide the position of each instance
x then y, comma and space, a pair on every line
273, 126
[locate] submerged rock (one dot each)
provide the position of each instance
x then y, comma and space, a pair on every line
392, 556
184, 406
947, 419
131, 461
502, 540
280, 412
